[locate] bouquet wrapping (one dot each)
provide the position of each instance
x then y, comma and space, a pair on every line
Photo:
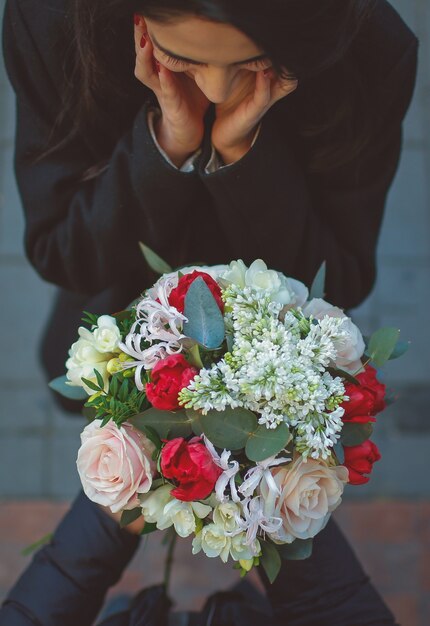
231, 405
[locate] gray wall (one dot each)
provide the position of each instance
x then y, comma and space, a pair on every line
38, 443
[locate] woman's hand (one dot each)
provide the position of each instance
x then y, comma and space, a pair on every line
180, 128
237, 119
135, 528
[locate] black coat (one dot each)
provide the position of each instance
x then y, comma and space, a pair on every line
83, 236
67, 580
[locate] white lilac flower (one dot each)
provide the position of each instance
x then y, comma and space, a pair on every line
276, 368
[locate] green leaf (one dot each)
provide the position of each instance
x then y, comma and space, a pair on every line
155, 262
68, 391
194, 356
128, 517
335, 371
122, 315
195, 418
317, 289
149, 528
205, 320
399, 350
99, 378
382, 345
113, 387
270, 560
165, 423
354, 434
37, 544
89, 412
299, 550
229, 429
152, 435
265, 442
123, 391
91, 384
339, 452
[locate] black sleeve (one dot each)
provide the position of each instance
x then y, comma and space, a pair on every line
67, 579
84, 236
329, 588
271, 210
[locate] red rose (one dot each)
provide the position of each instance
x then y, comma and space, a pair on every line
191, 466
365, 399
177, 295
169, 376
359, 460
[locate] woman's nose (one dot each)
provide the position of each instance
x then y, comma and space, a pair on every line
215, 82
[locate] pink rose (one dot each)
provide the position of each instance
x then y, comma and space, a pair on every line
115, 464
309, 490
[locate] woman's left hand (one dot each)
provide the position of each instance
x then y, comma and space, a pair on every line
237, 119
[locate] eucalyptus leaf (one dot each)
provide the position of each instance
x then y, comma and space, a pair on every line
339, 452
317, 289
399, 350
128, 517
335, 371
155, 262
195, 418
68, 391
265, 442
165, 423
298, 550
270, 560
205, 321
229, 429
382, 345
354, 434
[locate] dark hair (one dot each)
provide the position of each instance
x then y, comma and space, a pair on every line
308, 39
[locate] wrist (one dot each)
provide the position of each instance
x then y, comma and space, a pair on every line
234, 151
175, 150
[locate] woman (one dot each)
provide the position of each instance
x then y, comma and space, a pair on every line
210, 130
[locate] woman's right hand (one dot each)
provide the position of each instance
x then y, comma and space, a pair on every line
180, 128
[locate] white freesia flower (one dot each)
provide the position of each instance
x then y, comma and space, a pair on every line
350, 347
161, 508
84, 358
106, 334
242, 550
226, 515
283, 290
213, 541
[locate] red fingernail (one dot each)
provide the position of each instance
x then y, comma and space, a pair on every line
143, 41
136, 19
266, 72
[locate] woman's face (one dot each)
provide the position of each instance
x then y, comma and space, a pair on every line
218, 57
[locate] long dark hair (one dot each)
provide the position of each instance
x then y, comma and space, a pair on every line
308, 39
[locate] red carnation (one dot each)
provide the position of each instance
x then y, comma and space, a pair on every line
365, 399
191, 466
168, 377
359, 460
177, 295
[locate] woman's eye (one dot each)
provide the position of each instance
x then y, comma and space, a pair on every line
173, 62
262, 64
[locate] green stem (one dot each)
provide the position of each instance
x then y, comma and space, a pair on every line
169, 560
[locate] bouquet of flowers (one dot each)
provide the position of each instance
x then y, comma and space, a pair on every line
229, 404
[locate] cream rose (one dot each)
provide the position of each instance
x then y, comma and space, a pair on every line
308, 492
213, 541
115, 465
351, 348
106, 334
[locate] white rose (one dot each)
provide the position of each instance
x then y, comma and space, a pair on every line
240, 550
75, 375
308, 492
349, 349
106, 334
115, 464
226, 515
215, 271
213, 541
